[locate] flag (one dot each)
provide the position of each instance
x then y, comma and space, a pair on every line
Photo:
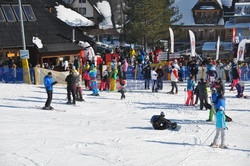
218, 48
241, 50
172, 40
192, 42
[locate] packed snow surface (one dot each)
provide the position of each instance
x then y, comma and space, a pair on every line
105, 131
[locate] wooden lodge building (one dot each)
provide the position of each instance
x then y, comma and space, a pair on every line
40, 20
206, 18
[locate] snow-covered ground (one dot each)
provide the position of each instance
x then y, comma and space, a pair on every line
106, 131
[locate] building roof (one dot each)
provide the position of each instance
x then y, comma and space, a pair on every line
52, 31
186, 6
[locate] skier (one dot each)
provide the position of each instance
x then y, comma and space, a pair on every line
71, 80
160, 75
48, 83
159, 122
221, 125
190, 91
123, 89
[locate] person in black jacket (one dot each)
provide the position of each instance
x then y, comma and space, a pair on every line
159, 122
194, 70
71, 80
160, 75
147, 75
202, 88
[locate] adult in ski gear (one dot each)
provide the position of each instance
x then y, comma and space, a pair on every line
159, 122
240, 89
235, 77
160, 75
190, 91
147, 76
93, 82
227, 68
48, 83
71, 80
202, 87
154, 79
194, 69
211, 72
221, 126
220, 87
174, 79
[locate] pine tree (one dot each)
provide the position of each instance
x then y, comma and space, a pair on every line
148, 20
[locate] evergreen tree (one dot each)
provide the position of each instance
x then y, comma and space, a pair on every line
149, 20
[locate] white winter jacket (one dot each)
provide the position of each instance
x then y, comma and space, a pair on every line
153, 75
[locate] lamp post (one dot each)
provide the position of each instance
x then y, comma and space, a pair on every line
25, 64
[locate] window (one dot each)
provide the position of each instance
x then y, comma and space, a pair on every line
82, 1
8, 13
17, 13
82, 11
2, 19
29, 13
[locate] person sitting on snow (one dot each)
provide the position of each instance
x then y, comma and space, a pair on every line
240, 89
159, 122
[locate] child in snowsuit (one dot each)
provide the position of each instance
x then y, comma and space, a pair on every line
123, 89
79, 87
211, 108
190, 91
221, 125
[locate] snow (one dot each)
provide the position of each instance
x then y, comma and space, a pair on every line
108, 131
71, 17
230, 25
37, 42
105, 9
227, 3
207, 7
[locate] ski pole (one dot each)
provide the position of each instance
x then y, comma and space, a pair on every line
208, 137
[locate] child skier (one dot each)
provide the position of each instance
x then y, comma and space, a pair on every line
123, 89
190, 92
221, 125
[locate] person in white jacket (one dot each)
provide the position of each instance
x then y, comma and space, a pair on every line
174, 79
154, 79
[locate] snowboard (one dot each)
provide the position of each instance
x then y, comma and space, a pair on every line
228, 119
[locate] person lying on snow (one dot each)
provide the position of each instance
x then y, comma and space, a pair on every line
159, 122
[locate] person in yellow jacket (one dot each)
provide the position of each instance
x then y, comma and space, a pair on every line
132, 56
113, 77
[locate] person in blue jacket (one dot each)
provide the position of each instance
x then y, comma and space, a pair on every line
48, 83
220, 124
93, 82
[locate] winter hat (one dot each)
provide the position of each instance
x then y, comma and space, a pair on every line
49, 73
162, 113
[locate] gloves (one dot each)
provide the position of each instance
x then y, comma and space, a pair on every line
54, 83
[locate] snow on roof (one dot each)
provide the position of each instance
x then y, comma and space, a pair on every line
207, 7
211, 46
105, 10
71, 17
37, 42
242, 9
227, 3
230, 25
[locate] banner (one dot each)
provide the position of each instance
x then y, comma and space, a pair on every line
218, 48
192, 42
241, 50
171, 40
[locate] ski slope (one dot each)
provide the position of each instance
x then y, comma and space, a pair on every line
106, 131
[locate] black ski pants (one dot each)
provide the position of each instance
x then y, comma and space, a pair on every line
49, 98
69, 92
